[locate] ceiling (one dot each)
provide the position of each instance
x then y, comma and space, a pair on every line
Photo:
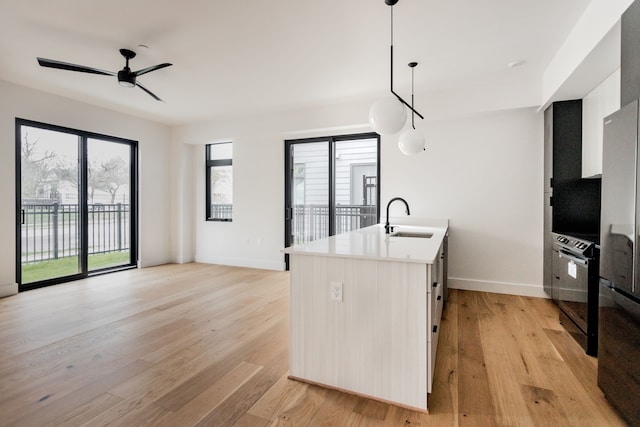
246, 57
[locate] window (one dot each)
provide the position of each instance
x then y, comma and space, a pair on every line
219, 181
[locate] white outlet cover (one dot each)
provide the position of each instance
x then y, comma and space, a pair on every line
335, 292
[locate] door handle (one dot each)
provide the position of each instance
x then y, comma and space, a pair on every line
563, 254
22, 216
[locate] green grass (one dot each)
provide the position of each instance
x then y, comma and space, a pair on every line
37, 271
111, 259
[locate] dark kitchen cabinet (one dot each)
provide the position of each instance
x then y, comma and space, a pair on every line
562, 168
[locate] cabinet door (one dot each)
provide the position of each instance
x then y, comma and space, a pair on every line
548, 148
435, 310
547, 278
630, 54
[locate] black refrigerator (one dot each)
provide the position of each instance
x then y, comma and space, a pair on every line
619, 299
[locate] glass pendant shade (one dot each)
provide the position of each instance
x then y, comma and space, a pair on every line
387, 116
411, 142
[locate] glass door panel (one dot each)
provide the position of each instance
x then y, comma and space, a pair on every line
108, 204
309, 191
49, 208
356, 180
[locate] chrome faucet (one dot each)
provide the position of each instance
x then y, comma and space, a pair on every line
387, 227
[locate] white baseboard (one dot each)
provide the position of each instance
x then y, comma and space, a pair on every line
8, 290
243, 262
521, 289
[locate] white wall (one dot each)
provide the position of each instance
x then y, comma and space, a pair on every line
598, 104
256, 235
182, 206
483, 171
154, 155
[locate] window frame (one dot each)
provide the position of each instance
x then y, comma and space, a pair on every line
209, 165
134, 183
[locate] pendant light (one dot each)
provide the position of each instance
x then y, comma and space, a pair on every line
388, 115
411, 141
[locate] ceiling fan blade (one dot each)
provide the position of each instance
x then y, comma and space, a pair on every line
152, 68
51, 63
149, 92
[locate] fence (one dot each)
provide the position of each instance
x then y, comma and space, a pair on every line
311, 222
52, 231
219, 211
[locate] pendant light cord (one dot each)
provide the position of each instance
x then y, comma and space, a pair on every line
413, 111
391, 25
391, 40
413, 116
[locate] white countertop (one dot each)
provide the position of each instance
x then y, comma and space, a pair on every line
372, 243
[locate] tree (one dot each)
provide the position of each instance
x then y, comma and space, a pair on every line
37, 167
109, 176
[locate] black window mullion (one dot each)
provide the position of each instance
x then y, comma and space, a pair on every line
332, 186
83, 206
207, 213
133, 206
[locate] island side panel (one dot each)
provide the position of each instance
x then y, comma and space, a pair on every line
374, 342
403, 313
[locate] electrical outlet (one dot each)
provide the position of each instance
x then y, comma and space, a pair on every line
336, 291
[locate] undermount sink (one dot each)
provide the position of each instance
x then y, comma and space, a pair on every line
412, 234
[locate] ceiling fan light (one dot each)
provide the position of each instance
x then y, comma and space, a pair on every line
411, 142
126, 79
387, 116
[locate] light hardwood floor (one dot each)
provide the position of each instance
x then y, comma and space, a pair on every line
183, 345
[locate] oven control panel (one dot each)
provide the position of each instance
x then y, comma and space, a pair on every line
573, 244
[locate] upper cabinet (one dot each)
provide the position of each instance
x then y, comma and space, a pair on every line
602, 101
630, 54
563, 136
619, 89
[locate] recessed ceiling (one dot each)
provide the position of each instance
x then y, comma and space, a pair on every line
245, 57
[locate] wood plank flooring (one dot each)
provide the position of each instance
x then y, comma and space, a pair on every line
206, 345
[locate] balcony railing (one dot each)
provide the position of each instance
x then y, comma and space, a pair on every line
52, 231
221, 211
311, 222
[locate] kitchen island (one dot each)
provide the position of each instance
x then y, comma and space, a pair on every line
366, 309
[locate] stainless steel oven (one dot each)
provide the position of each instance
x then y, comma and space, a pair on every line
575, 288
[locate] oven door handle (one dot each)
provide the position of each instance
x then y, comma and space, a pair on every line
573, 258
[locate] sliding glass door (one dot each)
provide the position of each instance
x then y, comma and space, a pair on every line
309, 218
76, 214
331, 186
50, 236
108, 203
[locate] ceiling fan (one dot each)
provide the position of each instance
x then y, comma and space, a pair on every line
126, 77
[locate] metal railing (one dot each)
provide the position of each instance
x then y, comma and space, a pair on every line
311, 222
52, 231
221, 211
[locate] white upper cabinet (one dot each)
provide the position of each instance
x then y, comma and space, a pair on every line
598, 104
